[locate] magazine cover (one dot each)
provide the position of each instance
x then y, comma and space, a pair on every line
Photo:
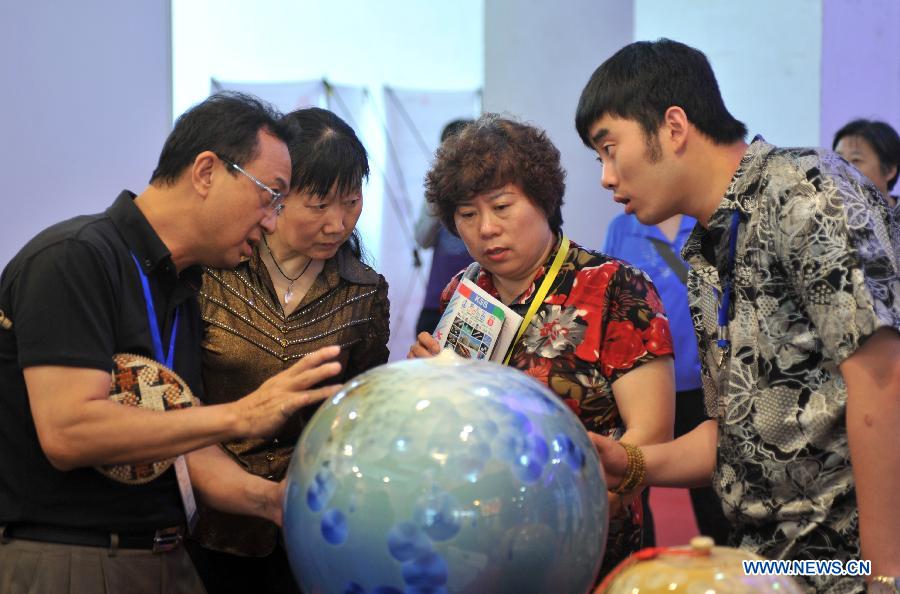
476, 325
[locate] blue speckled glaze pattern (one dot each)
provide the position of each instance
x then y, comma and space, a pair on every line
444, 475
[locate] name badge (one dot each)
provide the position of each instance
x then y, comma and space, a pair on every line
187, 492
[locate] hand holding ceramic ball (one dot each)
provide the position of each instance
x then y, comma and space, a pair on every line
443, 475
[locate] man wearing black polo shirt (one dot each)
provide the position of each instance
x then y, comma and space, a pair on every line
88, 288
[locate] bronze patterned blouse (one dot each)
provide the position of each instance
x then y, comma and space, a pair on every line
248, 339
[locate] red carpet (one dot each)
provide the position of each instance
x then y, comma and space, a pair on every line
672, 516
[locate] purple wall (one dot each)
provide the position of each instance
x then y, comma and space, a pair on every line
860, 63
84, 110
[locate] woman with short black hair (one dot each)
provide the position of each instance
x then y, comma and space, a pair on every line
874, 149
304, 286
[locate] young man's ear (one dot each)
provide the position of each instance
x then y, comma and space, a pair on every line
675, 127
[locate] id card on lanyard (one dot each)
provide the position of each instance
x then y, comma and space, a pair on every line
168, 358
723, 338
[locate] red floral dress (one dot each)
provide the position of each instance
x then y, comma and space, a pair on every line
601, 319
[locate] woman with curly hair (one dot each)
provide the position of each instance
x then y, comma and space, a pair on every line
599, 339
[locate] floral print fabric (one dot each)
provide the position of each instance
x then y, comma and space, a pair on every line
815, 275
601, 319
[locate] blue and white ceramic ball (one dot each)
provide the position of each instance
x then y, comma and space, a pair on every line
444, 475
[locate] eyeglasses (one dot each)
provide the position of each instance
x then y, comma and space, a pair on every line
277, 202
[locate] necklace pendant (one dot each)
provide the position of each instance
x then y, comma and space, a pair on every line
289, 293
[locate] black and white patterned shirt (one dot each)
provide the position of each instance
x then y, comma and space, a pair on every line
815, 275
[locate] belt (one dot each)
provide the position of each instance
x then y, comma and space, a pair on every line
159, 541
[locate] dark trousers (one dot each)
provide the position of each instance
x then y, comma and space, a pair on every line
711, 521
224, 573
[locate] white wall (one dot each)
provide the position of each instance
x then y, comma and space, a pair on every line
406, 43
85, 107
88, 99
409, 44
793, 71
538, 57
766, 55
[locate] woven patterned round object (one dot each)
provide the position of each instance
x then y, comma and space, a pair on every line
145, 383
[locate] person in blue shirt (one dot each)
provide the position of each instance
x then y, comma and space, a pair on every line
656, 250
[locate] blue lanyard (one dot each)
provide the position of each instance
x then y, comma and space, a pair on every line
161, 357
723, 342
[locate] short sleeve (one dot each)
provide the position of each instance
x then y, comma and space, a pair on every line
832, 237
635, 327
449, 290
64, 303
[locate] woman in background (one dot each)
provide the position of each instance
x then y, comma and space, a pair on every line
874, 149
304, 287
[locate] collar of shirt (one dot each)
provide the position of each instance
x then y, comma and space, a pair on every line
740, 196
143, 241
342, 266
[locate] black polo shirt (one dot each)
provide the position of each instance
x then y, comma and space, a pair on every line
75, 299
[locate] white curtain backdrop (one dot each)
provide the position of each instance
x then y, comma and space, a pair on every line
285, 96
414, 120
354, 105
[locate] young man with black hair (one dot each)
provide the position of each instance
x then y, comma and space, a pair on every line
794, 296
98, 285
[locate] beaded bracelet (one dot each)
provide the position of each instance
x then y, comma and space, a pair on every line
886, 584
634, 470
